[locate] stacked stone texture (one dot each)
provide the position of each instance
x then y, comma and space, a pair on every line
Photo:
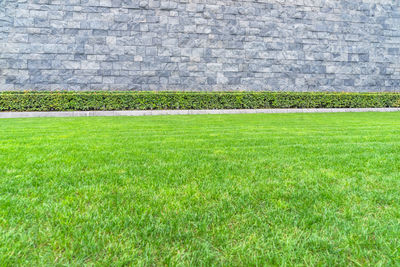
277, 45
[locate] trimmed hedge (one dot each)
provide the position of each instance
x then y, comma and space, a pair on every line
100, 100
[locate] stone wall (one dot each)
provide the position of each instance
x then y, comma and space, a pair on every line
294, 45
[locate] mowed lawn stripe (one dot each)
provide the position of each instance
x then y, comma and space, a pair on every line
248, 189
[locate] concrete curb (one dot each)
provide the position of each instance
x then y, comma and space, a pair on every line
183, 112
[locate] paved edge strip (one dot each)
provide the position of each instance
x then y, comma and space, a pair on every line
183, 112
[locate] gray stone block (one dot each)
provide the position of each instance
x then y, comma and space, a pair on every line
39, 64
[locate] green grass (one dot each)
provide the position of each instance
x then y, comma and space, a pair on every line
260, 189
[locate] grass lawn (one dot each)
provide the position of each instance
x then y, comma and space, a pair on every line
256, 189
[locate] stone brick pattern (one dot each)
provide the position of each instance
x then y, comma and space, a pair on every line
293, 45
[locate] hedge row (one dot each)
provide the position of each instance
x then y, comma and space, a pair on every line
69, 101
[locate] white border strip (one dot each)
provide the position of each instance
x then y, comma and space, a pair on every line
183, 112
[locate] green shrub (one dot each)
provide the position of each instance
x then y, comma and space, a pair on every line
99, 100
